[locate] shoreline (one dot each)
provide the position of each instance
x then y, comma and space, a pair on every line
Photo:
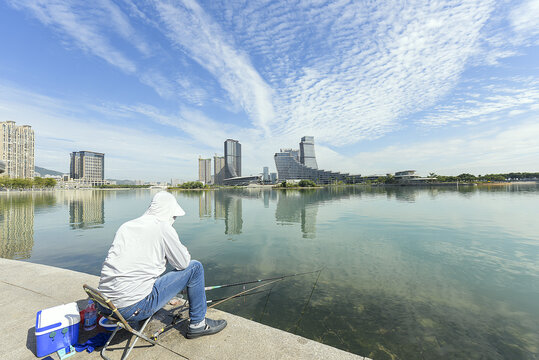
442, 184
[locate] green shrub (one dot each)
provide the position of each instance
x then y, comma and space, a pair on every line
307, 183
192, 185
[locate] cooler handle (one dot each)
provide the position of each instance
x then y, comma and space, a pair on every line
46, 327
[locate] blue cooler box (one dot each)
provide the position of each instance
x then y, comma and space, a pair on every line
56, 328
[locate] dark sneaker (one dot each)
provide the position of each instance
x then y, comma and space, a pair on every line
212, 327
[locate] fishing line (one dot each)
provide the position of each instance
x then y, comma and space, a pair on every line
265, 304
308, 301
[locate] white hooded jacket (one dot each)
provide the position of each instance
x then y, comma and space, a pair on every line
140, 251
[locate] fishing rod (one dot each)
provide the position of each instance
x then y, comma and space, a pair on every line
218, 301
236, 296
244, 292
207, 288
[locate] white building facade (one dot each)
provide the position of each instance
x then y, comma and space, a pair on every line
17, 149
204, 170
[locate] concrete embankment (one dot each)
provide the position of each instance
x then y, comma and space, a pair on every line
26, 288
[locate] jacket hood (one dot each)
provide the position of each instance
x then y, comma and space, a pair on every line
164, 206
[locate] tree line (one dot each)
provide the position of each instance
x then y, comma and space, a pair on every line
487, 177
123, 186
465, 177
21, 183
191, 185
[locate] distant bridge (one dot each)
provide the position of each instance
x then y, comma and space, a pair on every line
159, 187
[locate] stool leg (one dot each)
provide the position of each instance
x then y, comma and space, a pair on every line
136, 338
107, 344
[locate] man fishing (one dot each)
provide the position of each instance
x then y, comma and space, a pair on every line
131, 274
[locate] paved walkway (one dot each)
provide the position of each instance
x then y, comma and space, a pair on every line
26, 288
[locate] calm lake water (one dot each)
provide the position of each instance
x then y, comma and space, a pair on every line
409, 273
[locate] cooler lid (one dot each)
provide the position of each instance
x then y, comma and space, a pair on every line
57, 317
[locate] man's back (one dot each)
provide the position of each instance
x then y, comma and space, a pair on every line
137, 257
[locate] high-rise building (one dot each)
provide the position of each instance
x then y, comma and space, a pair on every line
306, 150
87, 166
17, 149
265, 174
290, 166
232, 158
204, 170
218, 169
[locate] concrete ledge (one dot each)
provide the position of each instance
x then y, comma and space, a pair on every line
27, 288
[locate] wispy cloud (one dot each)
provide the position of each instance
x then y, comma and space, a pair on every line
351, 71
83, 26
525, 18
190, 28
496, 100
163, 86
340, 71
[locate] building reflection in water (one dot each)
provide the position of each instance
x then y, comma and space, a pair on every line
299, 207
204, 204
308, 221
266, 197
293, 206
17, 223
86, 208
407, 194
228, 207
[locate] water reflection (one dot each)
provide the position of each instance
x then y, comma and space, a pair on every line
299, 207
17, 223
86, 208
204, 204
228, 205
229, 208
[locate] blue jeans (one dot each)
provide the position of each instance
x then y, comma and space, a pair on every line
166, 287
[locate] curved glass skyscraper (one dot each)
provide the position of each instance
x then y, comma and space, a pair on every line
294, 165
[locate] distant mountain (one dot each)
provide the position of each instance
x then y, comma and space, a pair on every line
43, 171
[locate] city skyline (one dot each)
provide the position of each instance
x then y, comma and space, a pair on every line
447, 87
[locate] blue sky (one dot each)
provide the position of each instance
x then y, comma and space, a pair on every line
436, 86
